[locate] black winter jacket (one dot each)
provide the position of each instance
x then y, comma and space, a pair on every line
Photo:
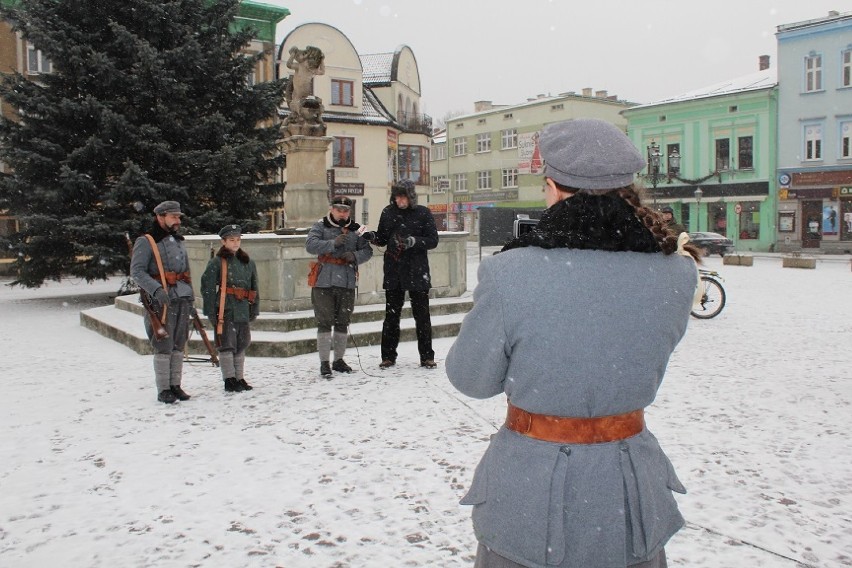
406, 268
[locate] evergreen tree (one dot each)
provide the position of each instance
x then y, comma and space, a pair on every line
148, 101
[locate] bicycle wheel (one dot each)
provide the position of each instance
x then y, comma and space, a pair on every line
712, 299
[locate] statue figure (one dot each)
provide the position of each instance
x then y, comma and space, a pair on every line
305, 109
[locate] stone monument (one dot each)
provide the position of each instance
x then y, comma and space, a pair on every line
305, 142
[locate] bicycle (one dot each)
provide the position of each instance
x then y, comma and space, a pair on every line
712, 297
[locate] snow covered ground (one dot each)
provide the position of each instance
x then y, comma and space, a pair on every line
366, 470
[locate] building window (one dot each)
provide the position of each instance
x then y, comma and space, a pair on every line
813, 73
343, 153
341, 92
846, 139
414, 164
846, 68
507, 116
483, 180
745, 153
723, 154
483, 142
460, 183
509, 139
749, 222
813, 142
510, 177
440, 184
37, 62
560, 106
459, 146
439, 152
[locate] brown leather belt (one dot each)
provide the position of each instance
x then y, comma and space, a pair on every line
570, 430
242, 294
173, 277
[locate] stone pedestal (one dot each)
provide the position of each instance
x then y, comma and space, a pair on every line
307, 187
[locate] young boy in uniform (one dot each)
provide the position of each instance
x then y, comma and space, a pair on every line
231, 301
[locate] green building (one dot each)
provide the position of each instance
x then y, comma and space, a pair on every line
712, 157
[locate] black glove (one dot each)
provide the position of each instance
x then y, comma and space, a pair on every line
161, 297
369, 236
340, 240
349, 257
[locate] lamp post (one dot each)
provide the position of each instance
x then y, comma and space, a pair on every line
674, 164
698, 195
654, 155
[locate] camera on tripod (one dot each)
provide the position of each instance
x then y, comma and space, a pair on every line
523, 224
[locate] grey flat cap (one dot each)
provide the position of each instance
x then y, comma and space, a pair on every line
167, 207
589, 154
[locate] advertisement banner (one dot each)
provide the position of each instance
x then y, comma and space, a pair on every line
529, 155
393, 164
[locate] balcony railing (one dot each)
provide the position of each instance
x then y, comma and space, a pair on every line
413, 122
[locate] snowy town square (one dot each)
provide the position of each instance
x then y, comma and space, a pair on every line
367, 469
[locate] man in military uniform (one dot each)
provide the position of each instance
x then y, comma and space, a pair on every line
670, 221
162, 272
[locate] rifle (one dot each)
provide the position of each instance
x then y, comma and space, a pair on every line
196, 322
156, 325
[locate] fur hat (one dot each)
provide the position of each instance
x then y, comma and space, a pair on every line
167, 207
230, 231
407, 188
589, 154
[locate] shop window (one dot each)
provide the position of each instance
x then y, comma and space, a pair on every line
749, 220
830, 219
718, 217
846, 221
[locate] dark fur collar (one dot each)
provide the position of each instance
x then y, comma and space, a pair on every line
348, 224
241, 255
159, 233
596, 222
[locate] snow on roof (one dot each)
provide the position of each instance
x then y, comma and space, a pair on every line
377, 67
764, 79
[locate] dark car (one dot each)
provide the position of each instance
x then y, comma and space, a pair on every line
712, 243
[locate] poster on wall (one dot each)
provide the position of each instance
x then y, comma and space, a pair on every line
830, 220
529, 154
393, 164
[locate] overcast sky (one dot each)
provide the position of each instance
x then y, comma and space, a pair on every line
505, 52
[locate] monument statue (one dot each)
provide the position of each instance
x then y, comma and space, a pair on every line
305, 109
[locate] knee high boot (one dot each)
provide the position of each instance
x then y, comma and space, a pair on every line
239, 370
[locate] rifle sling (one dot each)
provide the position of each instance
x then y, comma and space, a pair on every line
162, 271
223, 289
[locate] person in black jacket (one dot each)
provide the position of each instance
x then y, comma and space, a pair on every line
408, 230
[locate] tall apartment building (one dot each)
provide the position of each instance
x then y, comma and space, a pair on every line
372, 112
815, 134
491, 158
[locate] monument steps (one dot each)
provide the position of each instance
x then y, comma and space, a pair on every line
277, 334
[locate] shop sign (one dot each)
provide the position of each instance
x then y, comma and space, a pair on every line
486, 196
349, 189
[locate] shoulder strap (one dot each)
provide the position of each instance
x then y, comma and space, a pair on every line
223, 285
156, 251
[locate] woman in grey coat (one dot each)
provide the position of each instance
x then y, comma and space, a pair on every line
575, 322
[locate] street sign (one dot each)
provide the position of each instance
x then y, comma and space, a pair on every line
443, 184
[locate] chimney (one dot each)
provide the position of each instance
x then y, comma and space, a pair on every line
587, 91
600, 94
764, 62
480, 106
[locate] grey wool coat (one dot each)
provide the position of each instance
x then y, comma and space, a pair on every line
578, 333
320, 241
174, 257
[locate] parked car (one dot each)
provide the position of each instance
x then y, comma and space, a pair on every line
712, 243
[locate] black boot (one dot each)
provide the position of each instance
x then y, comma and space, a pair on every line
325, 369
244, 384
232, 385
341, 367
167, 396
178, 392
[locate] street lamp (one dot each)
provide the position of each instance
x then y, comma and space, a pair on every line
654, 163
674, 164
698, 195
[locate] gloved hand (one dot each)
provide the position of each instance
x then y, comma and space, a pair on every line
349, 257
161, 297
340, 240
369, 236
406, 243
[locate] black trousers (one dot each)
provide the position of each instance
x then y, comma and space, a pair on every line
394, 299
